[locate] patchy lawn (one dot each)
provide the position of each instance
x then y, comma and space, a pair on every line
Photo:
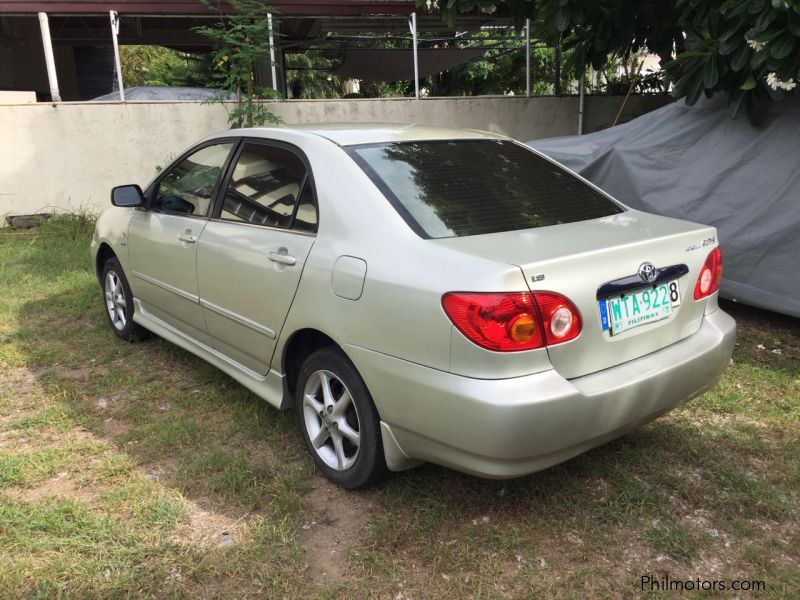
139, 470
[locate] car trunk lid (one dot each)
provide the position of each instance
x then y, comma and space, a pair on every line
576, 259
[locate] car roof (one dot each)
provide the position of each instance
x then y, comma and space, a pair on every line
349, 134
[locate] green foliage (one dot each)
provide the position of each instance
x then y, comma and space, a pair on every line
308, 75
501, 71
449, 9
385, 89
621, 74
242, 43
595, 28
749, 49
155, 65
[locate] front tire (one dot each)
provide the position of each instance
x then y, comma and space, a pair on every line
118, 301
338, 420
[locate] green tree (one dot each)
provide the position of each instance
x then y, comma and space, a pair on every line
308, 75
748, 49
242, 45
155, 65
501, 71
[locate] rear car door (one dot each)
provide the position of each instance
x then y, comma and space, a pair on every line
162, 240
252, 252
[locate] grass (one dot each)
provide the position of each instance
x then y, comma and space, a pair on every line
139, 470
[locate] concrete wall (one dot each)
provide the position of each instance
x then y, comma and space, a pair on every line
7, 97
68, 156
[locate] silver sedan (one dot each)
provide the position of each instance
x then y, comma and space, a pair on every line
417, 294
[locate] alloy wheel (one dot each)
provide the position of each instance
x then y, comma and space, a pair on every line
331, 420
115, 301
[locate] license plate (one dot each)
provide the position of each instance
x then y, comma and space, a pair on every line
641, 307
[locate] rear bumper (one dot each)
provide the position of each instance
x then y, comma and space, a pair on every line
511, 427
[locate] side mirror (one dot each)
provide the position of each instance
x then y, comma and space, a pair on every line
127, 196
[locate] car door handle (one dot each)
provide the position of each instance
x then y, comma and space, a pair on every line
283, 259
188, 238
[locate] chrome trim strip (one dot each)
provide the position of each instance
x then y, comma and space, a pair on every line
168, 287
237, 318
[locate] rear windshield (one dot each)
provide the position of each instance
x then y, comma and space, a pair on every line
471, 187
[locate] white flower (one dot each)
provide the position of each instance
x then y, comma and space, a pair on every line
772, 81
777, 84
757, 46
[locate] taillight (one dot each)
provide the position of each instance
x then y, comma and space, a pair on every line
560, 319
509, 322
710, 275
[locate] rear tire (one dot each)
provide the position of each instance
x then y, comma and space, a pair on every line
118, 301
338, 421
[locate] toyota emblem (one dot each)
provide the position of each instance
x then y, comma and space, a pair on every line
647, 272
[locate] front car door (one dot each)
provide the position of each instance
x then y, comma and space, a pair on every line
252, 252
162, 240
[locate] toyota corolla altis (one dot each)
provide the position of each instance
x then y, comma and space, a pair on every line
417, 294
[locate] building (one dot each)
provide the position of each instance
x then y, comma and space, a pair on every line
81, 37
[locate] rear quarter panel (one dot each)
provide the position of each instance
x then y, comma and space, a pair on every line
399, 312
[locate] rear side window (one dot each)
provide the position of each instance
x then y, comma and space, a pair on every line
471, 187
264, 189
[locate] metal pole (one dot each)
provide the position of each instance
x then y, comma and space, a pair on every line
527, 57
416, 59
284, 84
581, 94
114, 34
557, 75
272, 53
49, 60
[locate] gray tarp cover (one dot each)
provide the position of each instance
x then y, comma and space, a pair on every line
152, 92
696, 163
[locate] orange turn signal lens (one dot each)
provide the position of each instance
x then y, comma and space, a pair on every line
522, 328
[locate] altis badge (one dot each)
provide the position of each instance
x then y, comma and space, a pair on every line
701, 244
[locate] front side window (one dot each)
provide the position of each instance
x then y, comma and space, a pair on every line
265, 186
472, 187
187, 188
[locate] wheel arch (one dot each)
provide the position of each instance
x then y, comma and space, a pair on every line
297, 349
104, 252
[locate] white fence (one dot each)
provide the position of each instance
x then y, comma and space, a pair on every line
67, 156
